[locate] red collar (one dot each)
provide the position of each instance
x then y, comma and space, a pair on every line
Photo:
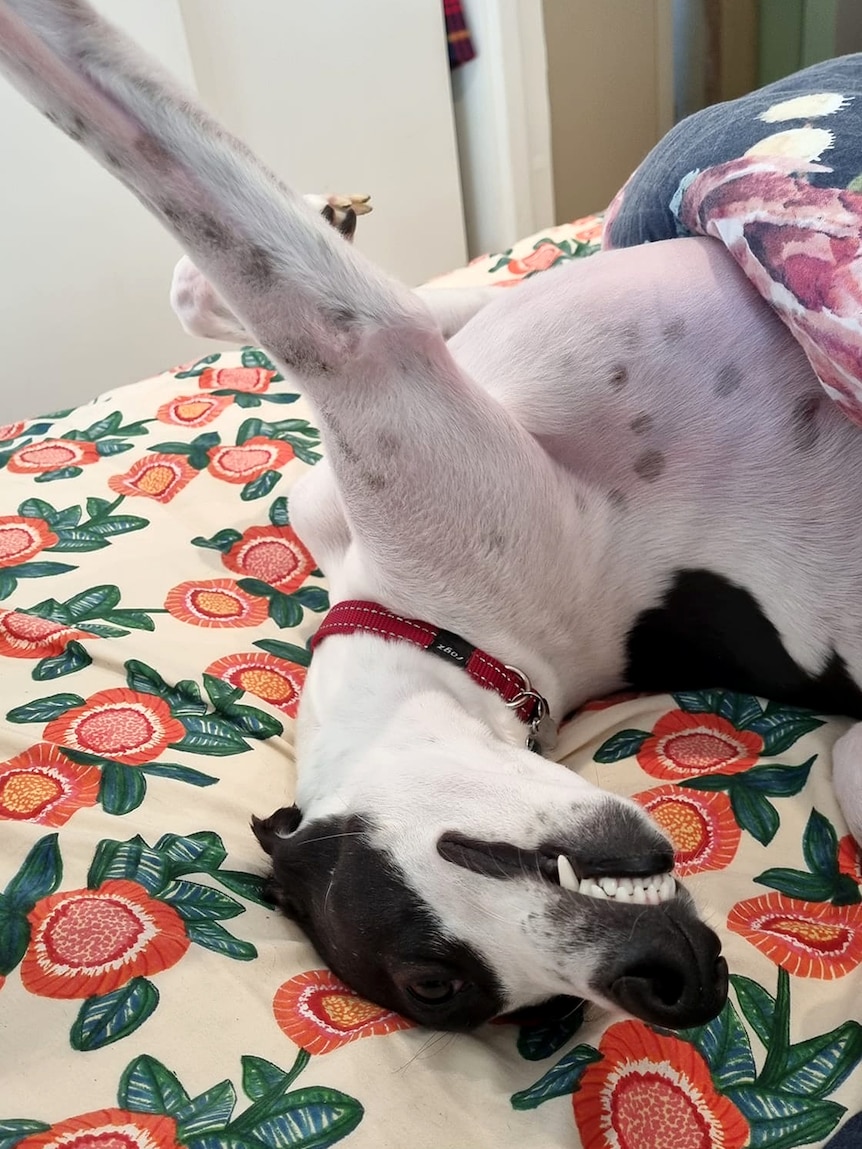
513, 686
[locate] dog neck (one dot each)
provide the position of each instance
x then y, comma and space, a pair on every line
368, 699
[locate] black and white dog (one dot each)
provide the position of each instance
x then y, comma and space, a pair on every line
570, 485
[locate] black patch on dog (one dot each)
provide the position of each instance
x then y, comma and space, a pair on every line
257, 266
729, 380
153, 152
708, 632
806, 430
619, 377
76, 130
641, 423
674, 330
650, 464
365, 921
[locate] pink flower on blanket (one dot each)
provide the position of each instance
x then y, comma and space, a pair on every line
800, 246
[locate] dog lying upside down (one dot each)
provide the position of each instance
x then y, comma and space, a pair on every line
600, 481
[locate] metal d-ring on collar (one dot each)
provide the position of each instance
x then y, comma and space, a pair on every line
542, 728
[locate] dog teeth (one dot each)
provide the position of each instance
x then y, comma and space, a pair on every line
651, 891
568, 878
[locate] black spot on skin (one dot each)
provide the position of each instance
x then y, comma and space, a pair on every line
258, 267
210, 230
806, 430
343, 316
388, 443
709, 632
76, 130
177, 216
373, 480
649, 465
674, 330
618, 499
728, 380
153, 153
302, 360
619, 377
641, 423
113, 161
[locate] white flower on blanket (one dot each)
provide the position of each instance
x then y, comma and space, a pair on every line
796, 143
809, 107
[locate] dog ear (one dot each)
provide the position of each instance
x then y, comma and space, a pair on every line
269, 831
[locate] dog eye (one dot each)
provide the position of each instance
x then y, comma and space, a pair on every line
434, 991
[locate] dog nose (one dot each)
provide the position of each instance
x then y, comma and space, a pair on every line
671, 974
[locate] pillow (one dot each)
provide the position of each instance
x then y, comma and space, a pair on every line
775, 176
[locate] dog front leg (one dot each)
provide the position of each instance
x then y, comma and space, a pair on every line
434, 474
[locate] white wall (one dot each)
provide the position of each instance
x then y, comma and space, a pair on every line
344, 96
337, 96
503, 118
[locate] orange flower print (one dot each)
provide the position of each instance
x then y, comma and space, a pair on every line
587, 230
119, 724
808, 939
850, 858
215, 602
248, 462
52, 455
85, 943
274, 555
21, 539
28, 636
683, 745
653, 1090
704, 833
540, 259
107, 1129
41, 786
193, 410
253, 379
159, 477
263, 675
320, 1013
11, 431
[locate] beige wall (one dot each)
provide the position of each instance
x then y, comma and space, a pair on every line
610, 78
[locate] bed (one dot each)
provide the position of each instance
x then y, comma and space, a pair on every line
155, 615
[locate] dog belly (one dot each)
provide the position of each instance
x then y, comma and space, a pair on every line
731, 481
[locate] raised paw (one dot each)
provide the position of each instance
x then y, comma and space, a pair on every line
341, 211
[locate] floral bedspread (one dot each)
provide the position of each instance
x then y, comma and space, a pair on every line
155, 614
777, 177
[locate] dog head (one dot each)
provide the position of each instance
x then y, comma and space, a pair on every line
449, 902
